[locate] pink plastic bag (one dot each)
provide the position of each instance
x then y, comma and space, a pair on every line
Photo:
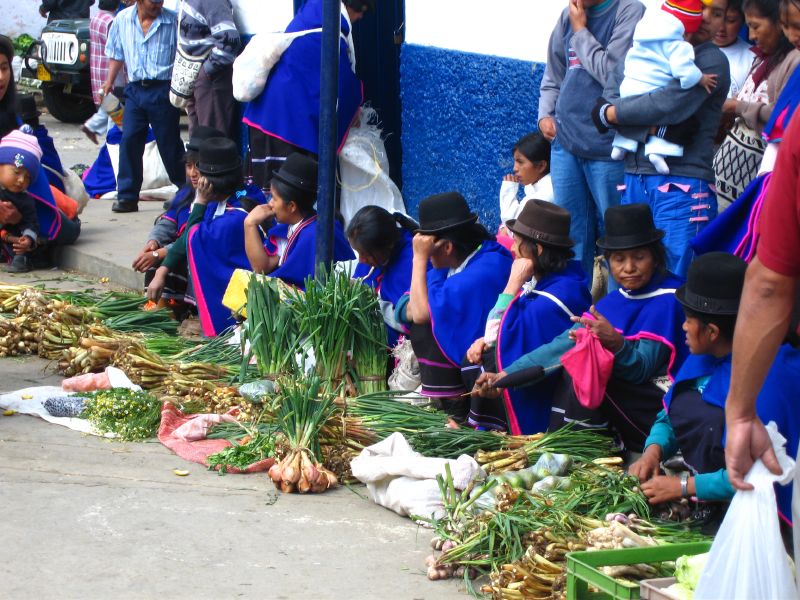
589, 364
197, 426
87, 382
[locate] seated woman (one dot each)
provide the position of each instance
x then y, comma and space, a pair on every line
640, 324
383, 243
170, 225
55, 227
29, 115
447, 306
289, 251
532, 171
545, 290
694, 418
214, 240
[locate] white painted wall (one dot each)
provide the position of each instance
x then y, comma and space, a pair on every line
22, 16
510, 28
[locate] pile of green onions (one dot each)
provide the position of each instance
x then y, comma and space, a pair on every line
270, 328
340, 319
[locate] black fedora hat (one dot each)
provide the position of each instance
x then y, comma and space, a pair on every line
543, 222
300, 172
714, 284
629, 226
218, 156
443, 212
26, 107
199, 135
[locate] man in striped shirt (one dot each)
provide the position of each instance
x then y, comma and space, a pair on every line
98, 66
143, 37
206, 28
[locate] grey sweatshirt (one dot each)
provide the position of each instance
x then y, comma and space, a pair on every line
578, 67
209, 24
671, 105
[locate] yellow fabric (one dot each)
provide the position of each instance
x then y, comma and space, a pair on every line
235, 296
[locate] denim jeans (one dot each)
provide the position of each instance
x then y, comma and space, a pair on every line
682, 207
99, 123
586, 188
148, 105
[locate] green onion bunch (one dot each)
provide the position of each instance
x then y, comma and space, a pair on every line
270, 328
340, 319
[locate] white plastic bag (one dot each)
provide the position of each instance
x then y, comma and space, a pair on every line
402, 480
252, 67
364, 168
748, 560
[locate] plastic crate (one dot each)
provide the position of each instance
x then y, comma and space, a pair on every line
653, 589
582, 569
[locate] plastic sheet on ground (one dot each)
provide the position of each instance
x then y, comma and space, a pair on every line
402, 480
173, 433
30, 401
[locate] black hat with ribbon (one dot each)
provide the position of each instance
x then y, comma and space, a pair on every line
629, 226
199, 135
218, 156
543, 222
443, 212
714, 284
300, 172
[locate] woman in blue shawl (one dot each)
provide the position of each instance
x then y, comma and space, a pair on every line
545, 290
639, 324
693, 420
289, 251
214, 236
54, 225
382, 241
284, 118
446, 307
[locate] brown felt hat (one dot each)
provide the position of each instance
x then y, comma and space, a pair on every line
543, 222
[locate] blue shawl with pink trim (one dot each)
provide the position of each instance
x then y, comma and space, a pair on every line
460, 304
215, 248
288, 108
777, 400
300, 255
392, 280
650, 313
179, 209
532, 320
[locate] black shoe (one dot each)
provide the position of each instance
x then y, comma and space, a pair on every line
122, 206
20, 264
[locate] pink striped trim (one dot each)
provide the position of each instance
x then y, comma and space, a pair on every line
700, 207
165, 217
432, 363
513, 422
681, 186
698, 219
455, 392
698, 195
747, 247
438, 345
202, 305
57, 224
784, 518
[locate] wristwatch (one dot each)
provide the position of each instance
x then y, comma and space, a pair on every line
684, 485
155, 253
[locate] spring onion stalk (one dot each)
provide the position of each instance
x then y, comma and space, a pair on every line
270, 328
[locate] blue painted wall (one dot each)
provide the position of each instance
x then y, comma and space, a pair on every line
461, 115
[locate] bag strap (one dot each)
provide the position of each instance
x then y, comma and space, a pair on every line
558, 302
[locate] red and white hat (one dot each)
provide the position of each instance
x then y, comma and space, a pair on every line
21, 150
688, 12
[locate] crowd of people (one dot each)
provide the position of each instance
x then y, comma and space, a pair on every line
683, 171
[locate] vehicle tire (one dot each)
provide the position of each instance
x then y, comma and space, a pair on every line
68, 108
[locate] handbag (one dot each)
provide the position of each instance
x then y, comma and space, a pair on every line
184, 72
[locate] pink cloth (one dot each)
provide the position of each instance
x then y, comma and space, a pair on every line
589, 364
200, 449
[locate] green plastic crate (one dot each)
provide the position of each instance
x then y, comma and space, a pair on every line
582, 569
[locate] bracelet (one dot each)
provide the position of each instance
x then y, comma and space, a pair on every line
684, 485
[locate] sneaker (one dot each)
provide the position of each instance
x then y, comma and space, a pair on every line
21, 263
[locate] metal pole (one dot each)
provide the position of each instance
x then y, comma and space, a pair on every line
329, 91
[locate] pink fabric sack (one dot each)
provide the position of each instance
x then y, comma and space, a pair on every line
589, 364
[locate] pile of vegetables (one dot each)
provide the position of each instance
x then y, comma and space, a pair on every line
128, 414
270, 327
251, 449
340, 319
302, 412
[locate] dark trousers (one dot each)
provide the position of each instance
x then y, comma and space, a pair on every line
212, 104
267, 154
148, 105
